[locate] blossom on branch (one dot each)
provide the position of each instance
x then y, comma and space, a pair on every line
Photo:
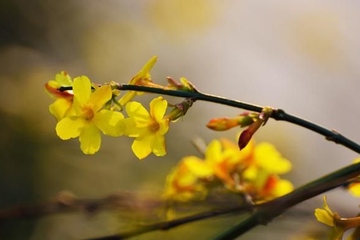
326, 216
63, 99
89, 118
148, 128
142, 78
187, 181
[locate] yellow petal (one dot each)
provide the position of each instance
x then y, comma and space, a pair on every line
63, 79
100, 97
60, 107
140, 115
354, 189
130, 128
164, 127
142, 146
109, 122
325, 215
213, 151
158, 145
82, 90
69, 127
144, 73
198, 167
282, 187
158, 108
270, 159
90, 139
127, 98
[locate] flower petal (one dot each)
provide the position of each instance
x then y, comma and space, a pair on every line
130, 128
144, 73
99, 97
158, 108
158, 145
164, 126
109, 122
82, 90
137, 111
142, 146
69, 127
90, 139
213, 151
325, 215
60, 108
63, 79
270, 159
198, 167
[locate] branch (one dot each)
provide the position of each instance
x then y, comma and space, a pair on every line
276, 207
166, 225
263, 213
66, 202
277, 114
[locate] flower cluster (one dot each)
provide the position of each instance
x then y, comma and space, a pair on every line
253, 171
85, 110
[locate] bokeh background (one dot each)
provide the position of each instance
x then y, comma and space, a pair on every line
302, 56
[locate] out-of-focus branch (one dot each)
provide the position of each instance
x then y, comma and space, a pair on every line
262, 213
166, 225
66, 202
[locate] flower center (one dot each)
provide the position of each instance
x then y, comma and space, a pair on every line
154, 126
88, 113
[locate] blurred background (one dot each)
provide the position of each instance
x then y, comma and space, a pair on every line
301, 56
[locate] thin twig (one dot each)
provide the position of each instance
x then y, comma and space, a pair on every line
166, 225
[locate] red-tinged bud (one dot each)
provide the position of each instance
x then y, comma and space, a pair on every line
247, 134
259, 120
222, 124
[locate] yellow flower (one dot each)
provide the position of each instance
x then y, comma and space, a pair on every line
63, 99
147, 128
185, 183
89, 116
326, 216
261, 176
142, 78
226, 160
354, 187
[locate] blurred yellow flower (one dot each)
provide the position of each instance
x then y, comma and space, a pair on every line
180, 19
354, 187
184, 182
89, 116
244, 171
148, 128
